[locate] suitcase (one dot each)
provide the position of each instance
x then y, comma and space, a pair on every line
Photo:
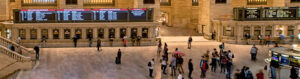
117, 61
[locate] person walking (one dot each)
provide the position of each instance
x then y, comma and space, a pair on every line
11, 47
259, 37
179, 64
260, 74
230, 55
273, 65
190, 42
90, 37
119, 55
133, 40
37, 51
163, 64
75, 39
159, 47
124, 41
111, 40
173, 66
191, 68
213, 35
203, 67
222, 46
151, 67
223, 64
44, 40
213, 63
98, 44
293, 73
228, 67
253, 52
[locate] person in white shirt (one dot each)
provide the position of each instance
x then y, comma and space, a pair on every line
151, 67
180, 76
163, 64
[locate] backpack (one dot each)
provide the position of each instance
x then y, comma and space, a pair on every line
149, 64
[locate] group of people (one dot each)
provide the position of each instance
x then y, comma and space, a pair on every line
135, 41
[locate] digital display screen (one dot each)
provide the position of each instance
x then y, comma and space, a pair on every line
36, 15
82, 15
252, 13
285, 59
110, 14
138, 14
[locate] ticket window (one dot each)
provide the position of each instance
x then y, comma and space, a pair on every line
100, 33
291, 30
295, 61
268, 31
22, 33
246, 30
33, 34
145, 33
257, 31
44, 33
78, 33
122, 32
228, 31
133, 32
284, 59
67, 33
89, 33
112, 33
55, 34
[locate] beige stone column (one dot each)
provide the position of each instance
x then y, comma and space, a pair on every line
84, 36
128, 34
273, 31
95, 33
139, 31
106, 33
27, 34
61, 33
296, 31
285, 30
39, 33
150, 32
50, 33
14, 34
117, 32
263, 31
72, 32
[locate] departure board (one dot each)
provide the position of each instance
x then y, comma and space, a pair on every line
74, 15
36, 15
138, 14
82, 15
279, 13
110, 14
252, 13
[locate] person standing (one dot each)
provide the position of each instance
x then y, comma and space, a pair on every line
139, 41
90, 37
98, 44
75, 39
119, 56
173, 66
268, 40
260, 75
190, 42
37, 51
222, 46
253, 52
292, 37
191, 68
159, 47
213, 35
223, 63
293, 73
111, 40
203, 67
213, 63
18, 40
228, 67
259, 37
124, 41
163, 64
248, 73
230, 55
44, 40
273, 65
151, 67
133, 40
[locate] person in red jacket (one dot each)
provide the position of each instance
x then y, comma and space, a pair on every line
260, 75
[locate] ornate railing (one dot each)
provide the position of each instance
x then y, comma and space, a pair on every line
14, 55
18, 48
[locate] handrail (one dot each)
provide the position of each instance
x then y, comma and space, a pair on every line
14, 55
22, 50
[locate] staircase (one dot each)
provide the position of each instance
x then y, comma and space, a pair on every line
13, 61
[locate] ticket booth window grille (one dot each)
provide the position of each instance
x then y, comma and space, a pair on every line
67, 33
256, 2
78, 33
22, 33
133, 32
33, 34
122, 32
220, 1
295, 0
112, 33
44, 33
55, 34
71, 2
101, 33
246, 30
145, 32
89, 33
149, 1
268, 31
257, 31
291, 30
228, 31
100, 2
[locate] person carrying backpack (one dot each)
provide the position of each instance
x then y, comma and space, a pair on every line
151, 67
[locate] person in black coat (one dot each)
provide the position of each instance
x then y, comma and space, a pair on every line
119, 56
191, 68
98, 44
293, 74
75, 38
37, 50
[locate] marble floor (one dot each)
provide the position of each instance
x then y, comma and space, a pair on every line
88, 63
